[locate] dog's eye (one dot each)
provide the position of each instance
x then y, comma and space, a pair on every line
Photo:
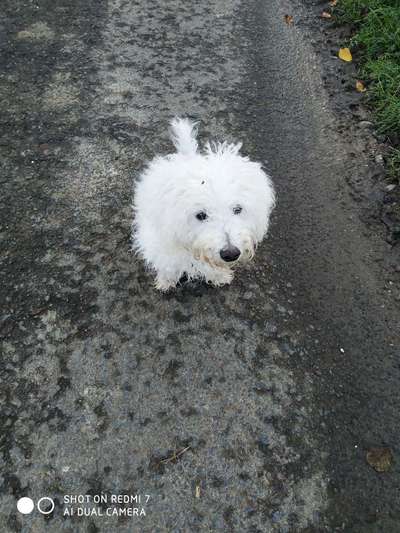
237, 209
202, 215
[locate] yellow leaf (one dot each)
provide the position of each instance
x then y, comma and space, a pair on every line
326, 15
380, 459
345, 54
360, 86
288, 19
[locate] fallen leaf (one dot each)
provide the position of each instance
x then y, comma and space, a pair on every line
288, 19
326, 15
380, 459
345, 54
333, 2
197, 493
44, 148
360, 86
38, 311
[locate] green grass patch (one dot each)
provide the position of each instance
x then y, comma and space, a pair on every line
394, 164
377, 39
355, 10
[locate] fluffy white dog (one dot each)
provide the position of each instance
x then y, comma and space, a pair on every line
200, 215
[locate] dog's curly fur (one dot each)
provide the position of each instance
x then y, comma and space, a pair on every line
198, 214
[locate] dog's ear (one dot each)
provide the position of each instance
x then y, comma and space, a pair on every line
184, 135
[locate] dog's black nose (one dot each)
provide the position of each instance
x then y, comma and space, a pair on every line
230, 254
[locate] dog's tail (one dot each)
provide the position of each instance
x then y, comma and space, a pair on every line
183, 135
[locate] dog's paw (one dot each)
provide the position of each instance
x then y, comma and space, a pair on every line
220, 277
163, 284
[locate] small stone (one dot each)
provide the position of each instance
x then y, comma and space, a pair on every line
262, 389
277, 516
286, 348
379, 159
16, 402
379, 137
365, 124
270, 329
390, 187
263, 443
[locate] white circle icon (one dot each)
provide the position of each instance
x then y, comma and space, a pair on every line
45, 499
25, 505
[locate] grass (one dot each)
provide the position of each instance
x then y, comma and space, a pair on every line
377, 40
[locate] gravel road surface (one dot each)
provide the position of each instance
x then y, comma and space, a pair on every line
248, 408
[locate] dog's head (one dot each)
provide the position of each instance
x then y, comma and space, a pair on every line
218, 205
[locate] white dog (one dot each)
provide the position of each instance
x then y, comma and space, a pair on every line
197, 214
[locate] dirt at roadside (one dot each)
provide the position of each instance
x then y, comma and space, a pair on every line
375, 192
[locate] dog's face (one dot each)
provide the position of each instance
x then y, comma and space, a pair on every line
220, 205
222, 234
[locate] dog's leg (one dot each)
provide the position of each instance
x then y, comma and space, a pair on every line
168, 272
219, 277
163, 284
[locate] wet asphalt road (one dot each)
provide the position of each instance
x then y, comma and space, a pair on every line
269, 391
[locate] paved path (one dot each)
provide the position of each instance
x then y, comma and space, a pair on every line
271, 389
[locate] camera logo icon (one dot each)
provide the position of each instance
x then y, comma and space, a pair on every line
45, 505
25, 505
